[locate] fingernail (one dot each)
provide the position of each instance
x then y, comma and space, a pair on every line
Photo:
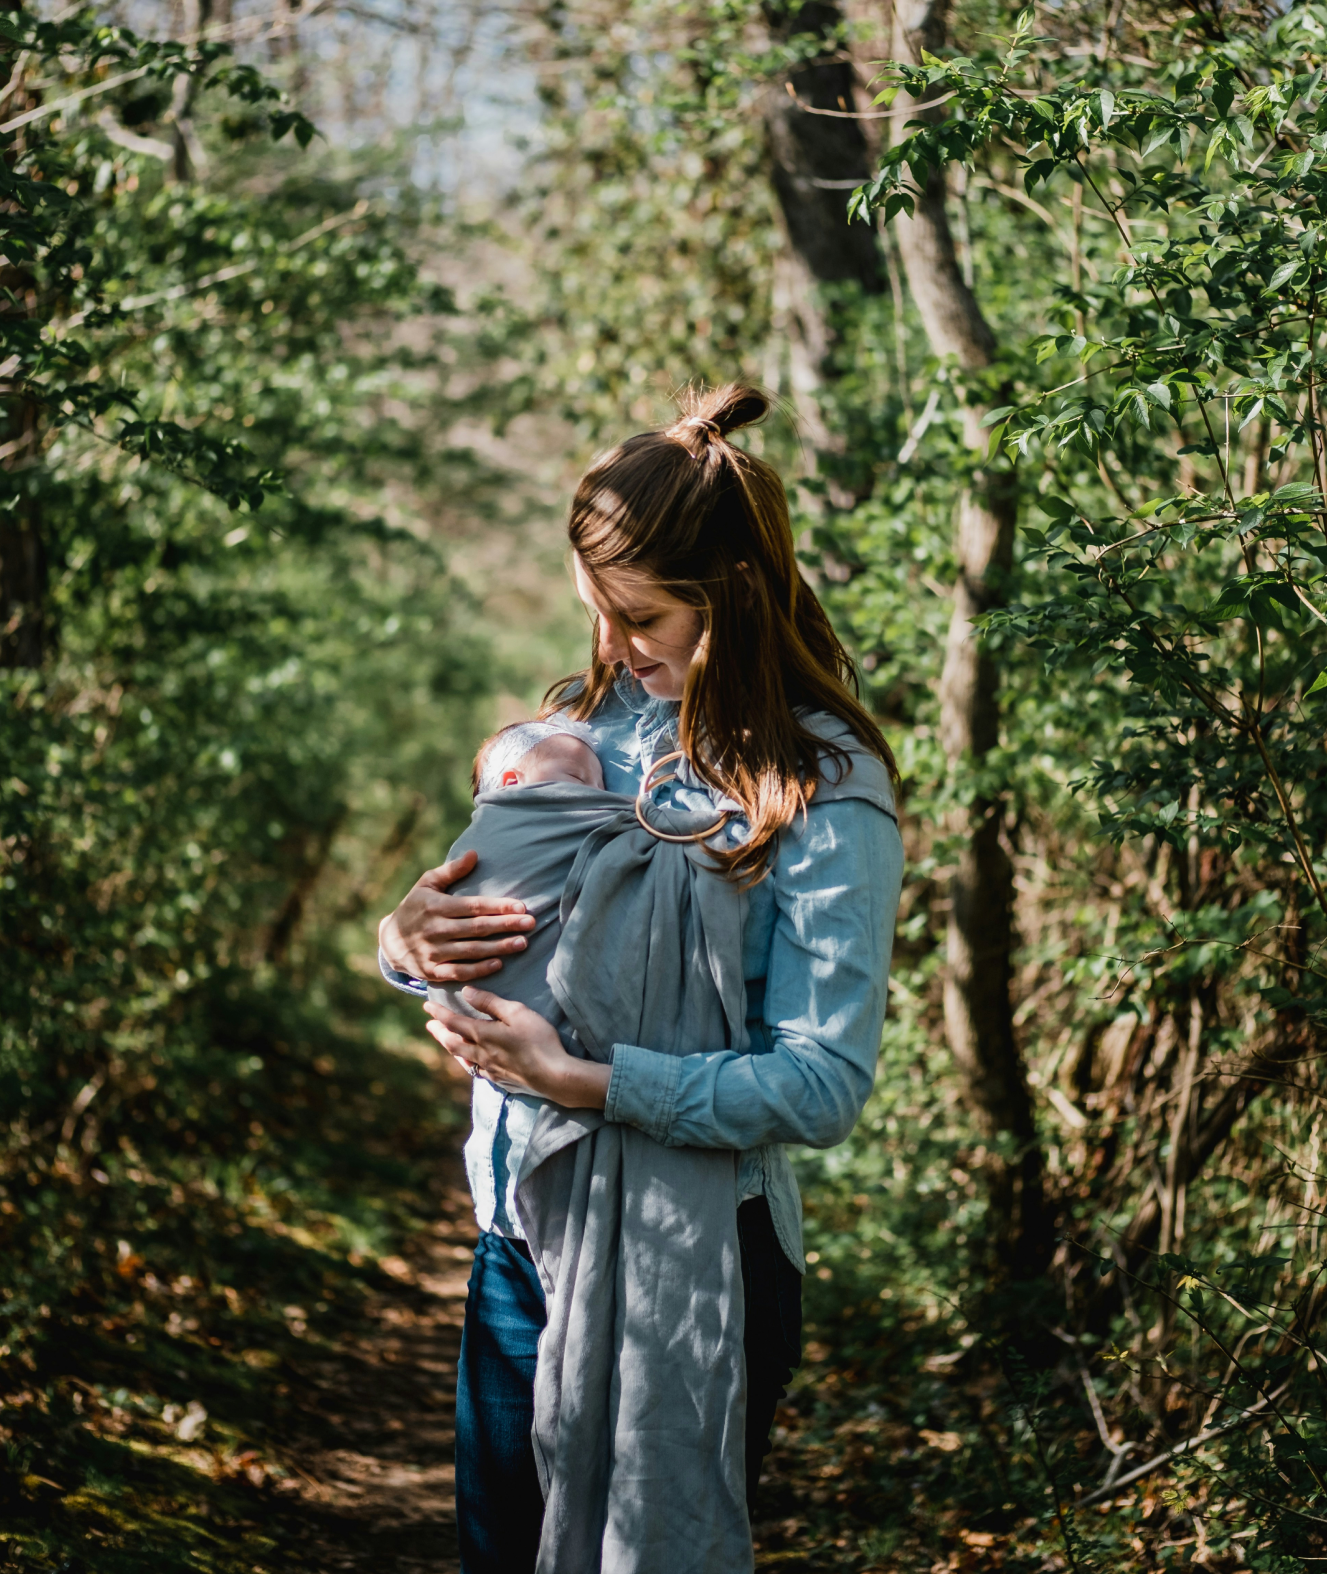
518, 944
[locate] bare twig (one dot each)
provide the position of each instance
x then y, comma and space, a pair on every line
85, 1096
1322, 617
15, 76
153, 147
1117, 1451
871, 114
1260, 1407
1292, 824
919, 430
43, 110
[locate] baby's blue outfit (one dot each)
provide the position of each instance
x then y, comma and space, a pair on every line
816, 951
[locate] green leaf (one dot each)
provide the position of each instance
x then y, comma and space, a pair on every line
1319, 683
1105, 106
1158, 135
1284, 272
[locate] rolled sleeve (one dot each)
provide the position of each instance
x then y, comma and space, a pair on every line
402, 981
642, 1090
836, 886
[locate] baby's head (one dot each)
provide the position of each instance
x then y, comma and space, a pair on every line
536, 751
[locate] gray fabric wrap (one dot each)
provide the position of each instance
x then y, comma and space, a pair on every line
640, 1389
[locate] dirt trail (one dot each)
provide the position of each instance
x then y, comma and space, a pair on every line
374, 1433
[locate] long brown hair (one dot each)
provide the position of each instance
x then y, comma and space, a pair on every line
710, 523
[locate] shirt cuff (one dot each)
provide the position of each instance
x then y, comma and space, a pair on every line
642, 1090
401, 981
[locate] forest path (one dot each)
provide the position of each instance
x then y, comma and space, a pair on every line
371, 1438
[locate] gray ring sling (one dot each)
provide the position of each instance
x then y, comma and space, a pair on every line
640, 1387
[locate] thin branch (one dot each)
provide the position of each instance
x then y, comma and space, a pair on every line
43, 110
1152, 530
1102, 1494
15, 76
1311, 413
153, 147
8, 450
919, 430
1117, 1450
1283, 798
873, 114
1322, 617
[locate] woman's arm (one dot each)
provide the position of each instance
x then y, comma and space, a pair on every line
836, 887
444, 939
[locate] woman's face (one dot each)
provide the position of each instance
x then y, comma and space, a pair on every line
642, 626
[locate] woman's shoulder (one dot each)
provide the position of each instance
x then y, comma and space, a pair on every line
848, 771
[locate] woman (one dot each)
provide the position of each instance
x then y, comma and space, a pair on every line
707, 643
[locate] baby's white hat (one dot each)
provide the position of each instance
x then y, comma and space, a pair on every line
515, 743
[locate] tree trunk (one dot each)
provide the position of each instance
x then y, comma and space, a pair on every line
815, 161
978, 1010
188, 159
24, 632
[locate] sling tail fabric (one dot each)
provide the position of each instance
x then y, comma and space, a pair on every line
640, 1438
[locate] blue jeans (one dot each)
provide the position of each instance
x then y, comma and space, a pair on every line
499, 1506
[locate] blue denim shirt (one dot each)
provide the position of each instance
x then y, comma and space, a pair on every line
816, 946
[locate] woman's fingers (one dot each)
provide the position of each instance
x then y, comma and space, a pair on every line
504, 1011
459, 972
456, 1047
461, 1027
440, 929
443, 876
469, 907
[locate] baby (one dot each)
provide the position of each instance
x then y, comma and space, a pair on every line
532, 752
527, 842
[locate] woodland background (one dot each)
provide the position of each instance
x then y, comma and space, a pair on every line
310, 317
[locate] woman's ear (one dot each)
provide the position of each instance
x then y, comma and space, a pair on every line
511, 779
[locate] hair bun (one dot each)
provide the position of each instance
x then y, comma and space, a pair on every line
718, 411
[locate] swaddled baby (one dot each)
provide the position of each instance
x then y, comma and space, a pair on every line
528, 856
539, 791
530, 753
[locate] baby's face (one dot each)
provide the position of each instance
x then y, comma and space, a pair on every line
561, 759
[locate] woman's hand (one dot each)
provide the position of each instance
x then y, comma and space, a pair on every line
519, 1046
450, 939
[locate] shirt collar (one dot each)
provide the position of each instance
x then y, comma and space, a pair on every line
634, 697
